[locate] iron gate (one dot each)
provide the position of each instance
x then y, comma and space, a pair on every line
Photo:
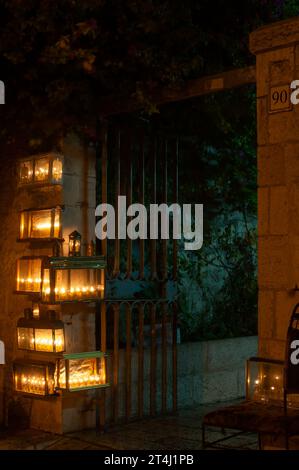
137, 322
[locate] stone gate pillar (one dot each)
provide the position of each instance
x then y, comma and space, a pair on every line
277, 63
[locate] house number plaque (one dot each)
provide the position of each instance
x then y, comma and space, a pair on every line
279, 98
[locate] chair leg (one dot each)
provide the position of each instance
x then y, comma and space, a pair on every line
203, 437
287, 441
260, 441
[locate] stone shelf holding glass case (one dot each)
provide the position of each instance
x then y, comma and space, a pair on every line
55, 200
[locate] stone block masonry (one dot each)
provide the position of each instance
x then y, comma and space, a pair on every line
277, 64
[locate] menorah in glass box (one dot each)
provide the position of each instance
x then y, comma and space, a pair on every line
61, 279
69, 279
70, 373
40, 170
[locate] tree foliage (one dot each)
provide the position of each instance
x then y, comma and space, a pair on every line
58, 59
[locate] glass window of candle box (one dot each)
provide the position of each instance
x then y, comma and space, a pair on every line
265, 380
40, 224
29, 270
41, 169
81, 371
45, 334
69, 279
36, 378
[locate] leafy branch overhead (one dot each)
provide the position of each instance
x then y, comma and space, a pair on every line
58, 60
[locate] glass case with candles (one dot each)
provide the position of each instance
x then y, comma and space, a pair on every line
41, 169
34, 378
29, 270
70, 279
40, 224
265, 380
45, 334
81, 371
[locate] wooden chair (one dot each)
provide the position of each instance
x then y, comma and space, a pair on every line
267, 408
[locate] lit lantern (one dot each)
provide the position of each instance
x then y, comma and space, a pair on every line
41, 169
56, 170
34, 378
81, 371
35, 310
40, 224
75, 244
29, 270
73, 279
26, 172
45, 334
265, 380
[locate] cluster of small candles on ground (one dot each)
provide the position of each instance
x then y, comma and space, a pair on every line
267, 387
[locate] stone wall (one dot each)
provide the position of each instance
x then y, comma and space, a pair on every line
211, 371
277, 63
208, 372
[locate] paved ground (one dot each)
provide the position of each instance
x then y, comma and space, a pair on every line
181, 432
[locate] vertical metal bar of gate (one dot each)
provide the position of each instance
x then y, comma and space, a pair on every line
115, 273
115, 362
101, 413
140, 358
128, 313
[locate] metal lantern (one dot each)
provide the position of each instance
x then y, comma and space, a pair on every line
264, 380
40, 224
75, 243
29, 270
34, 378
81, 371
41, 170
72, 279
26, 172
45, 334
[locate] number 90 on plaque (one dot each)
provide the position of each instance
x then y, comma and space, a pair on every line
279, 98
